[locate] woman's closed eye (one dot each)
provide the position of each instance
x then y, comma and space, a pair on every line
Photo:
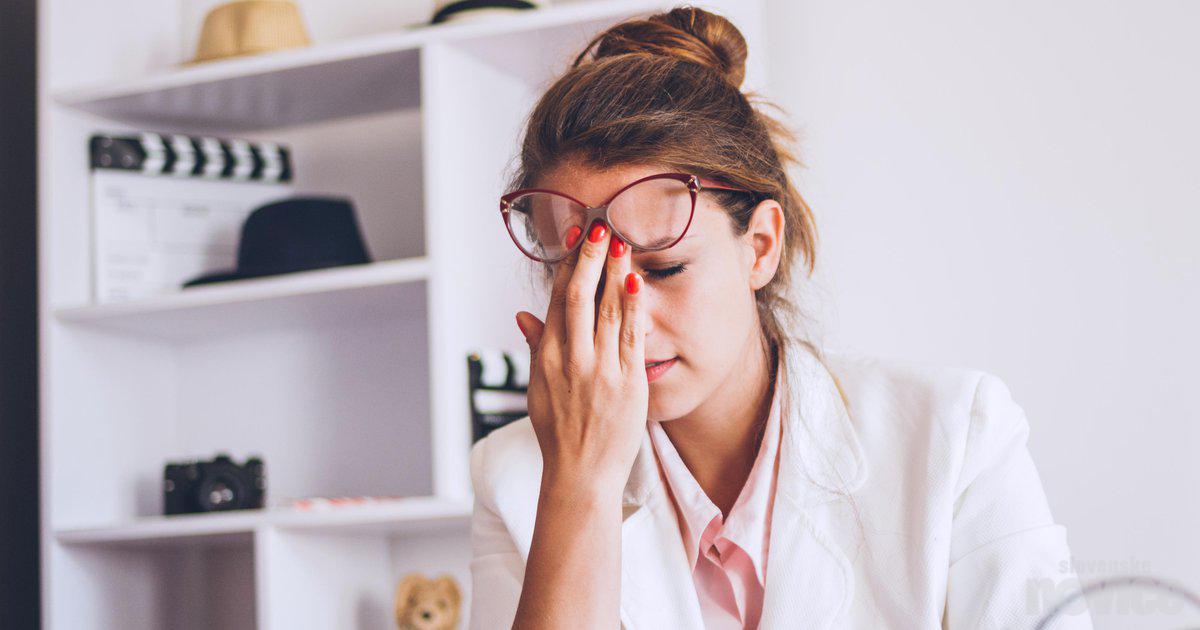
666, 271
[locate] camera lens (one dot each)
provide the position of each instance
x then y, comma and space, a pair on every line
220, 492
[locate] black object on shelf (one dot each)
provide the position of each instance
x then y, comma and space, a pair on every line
213, 486
456, 9
200, 157
494, 402
295, 234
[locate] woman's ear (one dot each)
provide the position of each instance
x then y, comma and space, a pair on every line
764, 236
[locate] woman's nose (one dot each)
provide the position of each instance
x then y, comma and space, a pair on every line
649, 312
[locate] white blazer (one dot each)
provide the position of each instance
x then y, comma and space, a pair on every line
906, 498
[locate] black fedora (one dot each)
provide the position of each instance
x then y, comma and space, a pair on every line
463, 10
295, 234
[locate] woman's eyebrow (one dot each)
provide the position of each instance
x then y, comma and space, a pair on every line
665, 241
662, 257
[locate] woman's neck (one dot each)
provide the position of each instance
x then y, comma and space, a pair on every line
720, 439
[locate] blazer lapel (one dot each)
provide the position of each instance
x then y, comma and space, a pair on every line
657, 590
809, 580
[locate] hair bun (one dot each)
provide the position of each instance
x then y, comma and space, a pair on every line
686, 33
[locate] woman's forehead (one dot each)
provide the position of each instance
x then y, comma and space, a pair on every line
591, 185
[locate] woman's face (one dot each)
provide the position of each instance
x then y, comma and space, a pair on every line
698, 295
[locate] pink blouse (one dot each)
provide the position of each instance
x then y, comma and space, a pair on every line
728, 557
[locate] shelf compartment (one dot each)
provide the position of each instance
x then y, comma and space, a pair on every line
403, 516
264, 91
385, 289
357, 76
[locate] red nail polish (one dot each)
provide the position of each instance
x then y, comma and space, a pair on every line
573, 234
616, 247
520, 326
597, 233
631, 283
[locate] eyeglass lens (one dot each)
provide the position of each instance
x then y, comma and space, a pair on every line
648, 215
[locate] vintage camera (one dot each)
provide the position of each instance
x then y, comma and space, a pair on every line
213, 486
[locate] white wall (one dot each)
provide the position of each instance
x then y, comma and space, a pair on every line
1016, 187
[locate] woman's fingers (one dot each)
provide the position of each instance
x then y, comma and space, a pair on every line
632, 337
555, 328
609, 311
579, 297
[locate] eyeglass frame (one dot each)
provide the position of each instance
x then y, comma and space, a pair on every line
694, 184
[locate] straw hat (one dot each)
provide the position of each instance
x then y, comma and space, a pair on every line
479, 10
247, 27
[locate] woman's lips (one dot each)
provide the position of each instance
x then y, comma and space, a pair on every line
654, 372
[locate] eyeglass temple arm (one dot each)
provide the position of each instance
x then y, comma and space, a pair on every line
718, 184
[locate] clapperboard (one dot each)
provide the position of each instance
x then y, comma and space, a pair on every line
168, 207
498, 386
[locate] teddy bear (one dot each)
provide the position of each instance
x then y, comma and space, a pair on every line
427, 604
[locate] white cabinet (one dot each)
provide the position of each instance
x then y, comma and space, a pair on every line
347, 381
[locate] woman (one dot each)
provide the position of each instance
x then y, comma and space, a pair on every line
686, 461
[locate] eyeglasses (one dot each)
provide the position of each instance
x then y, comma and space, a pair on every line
649, 214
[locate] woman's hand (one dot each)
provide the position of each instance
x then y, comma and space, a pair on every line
588, 393
588, 400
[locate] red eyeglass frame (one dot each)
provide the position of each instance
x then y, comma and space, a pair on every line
694, 183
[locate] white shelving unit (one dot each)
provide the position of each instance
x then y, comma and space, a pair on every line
348, 381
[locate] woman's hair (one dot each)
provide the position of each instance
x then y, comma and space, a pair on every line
666, 90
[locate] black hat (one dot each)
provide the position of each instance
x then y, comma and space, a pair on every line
295, 234
459, 10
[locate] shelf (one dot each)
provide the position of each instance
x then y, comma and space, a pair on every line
325, 81
404, 516
384, 290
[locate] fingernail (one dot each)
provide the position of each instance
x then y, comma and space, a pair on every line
520, 326
597, 233
631, 283
573, 234
616, 247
